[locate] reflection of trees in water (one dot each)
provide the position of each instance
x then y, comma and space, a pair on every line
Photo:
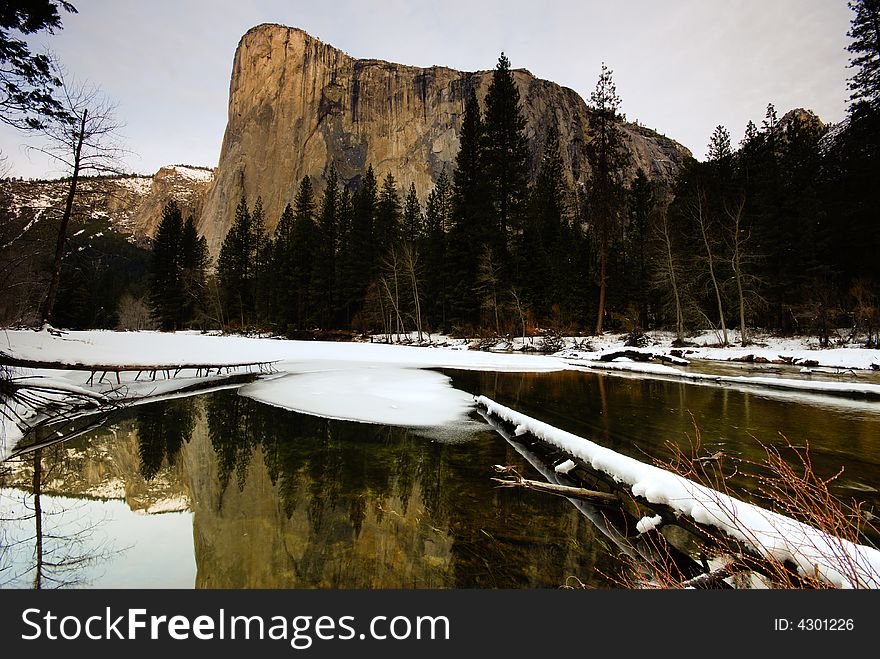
62, 536
163, 428
417, 494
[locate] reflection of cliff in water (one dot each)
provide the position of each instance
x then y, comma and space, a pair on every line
288, 500
284, 500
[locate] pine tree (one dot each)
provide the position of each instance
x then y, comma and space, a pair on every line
438, 220
719, 145
412, 216
167, 297
303, 246
262, 264
283, 285
609, 161
235, 268
471, 229
323, 290
641, 207
194, 261
28, 81
506, 155
344, 257
543, 230
360, 263
865, 48
386, 226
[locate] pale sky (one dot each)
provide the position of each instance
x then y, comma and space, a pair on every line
681, 66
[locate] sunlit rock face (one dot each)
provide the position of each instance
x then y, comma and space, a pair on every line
298, 106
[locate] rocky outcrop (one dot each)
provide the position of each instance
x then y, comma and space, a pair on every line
188, 186
131, 204
298, 106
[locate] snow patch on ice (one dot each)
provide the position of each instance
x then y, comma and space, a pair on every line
370, 394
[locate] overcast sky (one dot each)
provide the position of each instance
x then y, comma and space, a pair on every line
681, 66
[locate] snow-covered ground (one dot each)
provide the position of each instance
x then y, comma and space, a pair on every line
364, 382
389, 384
386, 384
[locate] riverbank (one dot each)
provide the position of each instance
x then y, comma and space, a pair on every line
388, 383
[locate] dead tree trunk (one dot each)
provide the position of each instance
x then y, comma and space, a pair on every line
54, 281
703, 221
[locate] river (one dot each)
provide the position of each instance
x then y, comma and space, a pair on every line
220, 491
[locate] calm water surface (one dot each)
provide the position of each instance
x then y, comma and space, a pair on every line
218, 491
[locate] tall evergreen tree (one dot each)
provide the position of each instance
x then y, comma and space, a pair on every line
506, 156
360, 263
303, 249
865, 48
167, 297
438, 220
640, 207
471, 229
387, 223
194, 260
323, 289
235, 267
283, 283
262, 264
344, 258
544, 248
412, 216
609, 161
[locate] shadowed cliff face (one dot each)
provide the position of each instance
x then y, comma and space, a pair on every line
298, 106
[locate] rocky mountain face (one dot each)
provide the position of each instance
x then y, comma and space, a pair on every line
298, 106
132, 204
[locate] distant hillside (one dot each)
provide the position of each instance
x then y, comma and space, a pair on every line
131, 204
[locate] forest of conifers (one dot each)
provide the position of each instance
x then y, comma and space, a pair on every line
778, 233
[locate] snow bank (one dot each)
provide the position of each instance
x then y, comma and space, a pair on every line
150, 348
368, 393
372, 383
769, 349
849, 388
772, 535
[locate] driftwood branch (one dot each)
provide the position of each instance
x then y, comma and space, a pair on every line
583, 494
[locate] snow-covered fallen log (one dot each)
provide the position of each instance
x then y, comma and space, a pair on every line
775, 537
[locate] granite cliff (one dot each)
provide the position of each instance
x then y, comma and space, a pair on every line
298, 106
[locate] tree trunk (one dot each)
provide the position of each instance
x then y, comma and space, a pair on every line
705, 233
670, 262
600, 318
410, 260
736, 262
38, 519
54, 282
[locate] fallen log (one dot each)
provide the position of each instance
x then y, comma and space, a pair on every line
790, 552
580, 493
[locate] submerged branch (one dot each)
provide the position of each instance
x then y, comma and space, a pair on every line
580, 493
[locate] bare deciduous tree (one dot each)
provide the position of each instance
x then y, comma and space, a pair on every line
85, 142
747, 284
668, 266
699, 210
488, 281
411, 269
